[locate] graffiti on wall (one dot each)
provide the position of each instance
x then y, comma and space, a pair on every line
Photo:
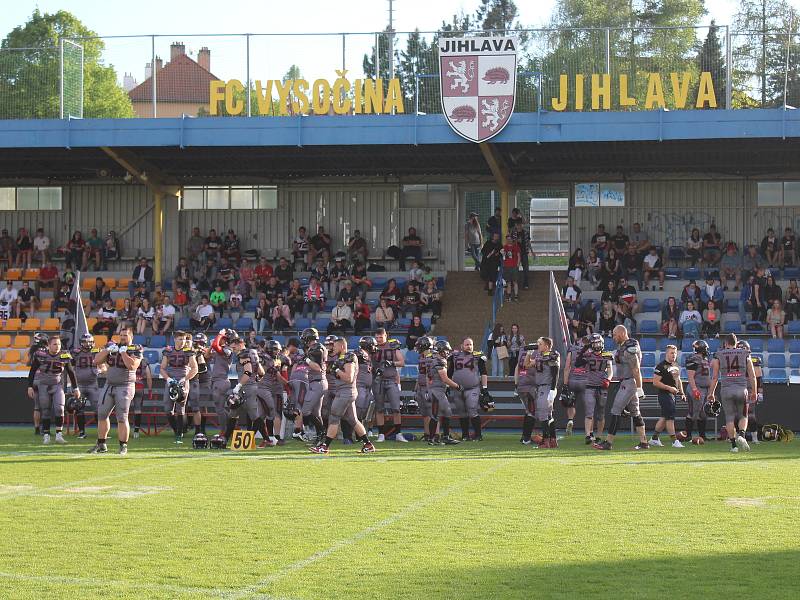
674, 228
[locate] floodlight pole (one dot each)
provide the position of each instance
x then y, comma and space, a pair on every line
61, 82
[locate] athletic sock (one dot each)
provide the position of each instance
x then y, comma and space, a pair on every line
701, 428
347, 430
364, 439
527, 427
203, 421
432, 428
688, 425
733, 442
476, 426
464, 428
173, 423
655, 435
552, 429
328, 441
270, 425
45, 426
445, 426
137, 421
80, 418
230, 426
122, 444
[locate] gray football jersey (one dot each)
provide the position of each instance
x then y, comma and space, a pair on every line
364, 369
85, 370
436, 364
321, 360
701, 365
733, 367
423, 366
118, 373
386, 352
221, 364
341, 360
203, 370
625, 357
596, 365
177, 361
526, 378
51, 367
466, 372
577, 363
244, 358
543, 367
299, 368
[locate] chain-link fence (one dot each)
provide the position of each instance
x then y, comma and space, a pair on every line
29, 83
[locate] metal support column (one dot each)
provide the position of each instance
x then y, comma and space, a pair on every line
158, 234
728, 69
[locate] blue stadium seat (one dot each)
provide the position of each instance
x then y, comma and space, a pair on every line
651, 305
648, 326
156, 370
664, 342
712, 273
794, 327
732, 305
609, 344
302, 323
379, 282
647, 372
648, 359
426, 323
682, 358
776, 361
322, 323
251, 304
684, 374
158, 341
352, 341
757, 345
225, 323
794, 361
794, 346
713, 344
184, 324
686, 345
754, 327
330, 304
409, 371
140, 339
244, 324
775, 345
648, 344
152, 356
440, 282
791, 273
676, 253
776, 376
404, 322
412, 357
732, 327
673, 273
691, 273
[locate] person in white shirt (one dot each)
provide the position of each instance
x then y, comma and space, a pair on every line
653, 268
167, 314
106, 320
144, 316
571, 296
203, 314
341, 317
235, 305
8, 300
41, 246
415, 273
690, 321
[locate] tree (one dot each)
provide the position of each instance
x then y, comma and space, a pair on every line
31, 83
710, 59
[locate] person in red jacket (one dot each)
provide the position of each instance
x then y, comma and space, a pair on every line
511, 259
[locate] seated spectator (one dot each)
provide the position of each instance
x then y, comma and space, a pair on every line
204, 316
694, 247
611, 267
410, 303
415, 331
772, 291
284, 273
609, 292
730, 268
68, 277
593, 268
431, 299
712, 320
127, 316
341, 318
247, 278
294, 299
142, 275
314, 298
776, 317
600, 242
212, 247
360, 278
625, 314
571, 297
106, 320
195, 248
670, 315
24, 245
760, 305
74, 250
320, 245
251, 340
690, 321
620, 241
747, 298
751, 262
48, 278
93, 250
61, 298
281, 316
792, 301
111, 248
263, 272
226, 275
8, 301
206, 276
263, 316
691, 292
300, 248
235, 308
626, 294
361, 314
427, 275
219, 299
584, 324
640, 239
357, 249
347, 293
608, 319
96, 295
712, 246
183, 275
7, 248
632, 263
41, 246
411, 248
231, 248
27, 302
391, 293
166, 318
653, 268
338, 274
320, 271
273, 289
772, 249
576, 267
144, 317
415, 272
384, 315
712, 290
789, 247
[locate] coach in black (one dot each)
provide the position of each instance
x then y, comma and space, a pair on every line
667, 380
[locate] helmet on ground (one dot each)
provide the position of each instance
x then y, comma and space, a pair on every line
200, 441
217, 442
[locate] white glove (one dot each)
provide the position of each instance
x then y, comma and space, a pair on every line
123, 349
639, 393
551, 396
238, 388
759, 397
170, 380
112, 348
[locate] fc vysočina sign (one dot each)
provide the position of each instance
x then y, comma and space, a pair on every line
478, 82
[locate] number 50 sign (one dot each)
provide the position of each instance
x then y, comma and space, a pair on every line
243, 440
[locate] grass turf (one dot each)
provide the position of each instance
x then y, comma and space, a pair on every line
481, 520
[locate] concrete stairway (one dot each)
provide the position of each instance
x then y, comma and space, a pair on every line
531, 312
466, 308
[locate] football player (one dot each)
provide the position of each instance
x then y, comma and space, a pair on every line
468, 369
86, 372
575, 378
316, 359
178, 363
524, 382
343, 405
423, 347
438, 385
143, 378
220, 381
50, 363
269, 352
599, 371
298, 385
545, 364
364, 381
698, 370
752, 421
734, 371
330, 379
121, 361
667, 380
200, 384
628, 360
243, 398
39, 343
385, 363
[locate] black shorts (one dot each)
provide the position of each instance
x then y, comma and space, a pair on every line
667, 403
510, 274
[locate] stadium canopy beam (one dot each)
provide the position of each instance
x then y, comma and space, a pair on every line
502, 175
158, 183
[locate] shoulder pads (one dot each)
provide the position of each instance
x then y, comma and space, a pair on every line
607, 354
188, 349
168, 348
95, 350
66, 355
393, 344
349, 357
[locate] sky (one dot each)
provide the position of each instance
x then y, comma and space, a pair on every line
270, 57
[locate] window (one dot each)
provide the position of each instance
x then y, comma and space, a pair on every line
770, 193
30, 198
230, 198
547, 210
438, 195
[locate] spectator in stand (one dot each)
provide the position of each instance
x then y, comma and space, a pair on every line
792, 303
691, 292
415, 273
219, 299
263, 316
127, 316
789, 247
751, 262
571, 297
8, 301
576, 267
294, 299
626, 294
411, 300
521, 236
203, 315
24, 245
96, 294
360, 279
772, 249
284, 273
111, 248
694, 247
263, 272
712, 320
473, 239
608, 319
620, 241
320, 245
251, 340
106, 320
341, 318
281, 316
516, 344
7, 248
27, 302
600, 242
653, 268
411, 248
690, 321
226, 275
247, 277
632, 263
384, 315
494, 225
300, 248
347, 293
776, 317
144, 317
93, 250
48, 278
273, 289
194, 296
585, 323
772, 291
511, 260
357, 250
490, 262
759, 296
747, 300
232, 248
320, 271
625, 317
314, 298
498, 347
711, 291
391, 293
183, 275
730, 267
61, 298
207, 276
514, 219
74, 250
670, 315
610, 293
640, 239
195, 248
339, 274
142, 275
361, 314
415, 331
41, 246
167, 316
212, 248
594, 267
712, 246
431, 299
611, 268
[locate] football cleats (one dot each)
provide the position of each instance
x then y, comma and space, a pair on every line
200, 441
567, 397
309, 336
234, 400
217, 442
423, 344
368, 344
486, 401
597, 342
87, 341
701, 347
712, 408
176, 391
75, 405
443, 348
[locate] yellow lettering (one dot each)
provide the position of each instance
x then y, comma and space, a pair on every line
341, 100
284, 87
234, 105
358, 96
300, 104
560, 103
578, 92
705, 91
264, 97
373, 96
655, 92
680, 88
601, 90
394, 98
624, 99
321, 97
216, 94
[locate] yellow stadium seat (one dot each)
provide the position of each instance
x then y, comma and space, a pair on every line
122, 283
115, 338
53, 324
87, 285
13, 275
13, 325
5, 367
91, 322
111, 282
30, 275
119, 303
100, 340
31, 325
46, 304
22, 341
5, 341
11, 357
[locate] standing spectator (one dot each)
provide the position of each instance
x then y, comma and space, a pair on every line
712, 244
195, 247
263, 272
789, 247
571, 297
27, 302
213, 246
203, 315
314, 298
263, 316
521, 236
576, 267
361, 314
792, 304
284, 273
93, 250
516, 343
694, 247
391, 293
752, 262
183, 275
41, 246
730, 268
294, 299
640, 239
670, 315
410, 302
514, 219
341, 318
511, 259
24, 245
144, 317
759, 296
207, 276
142, 276
357, 250
8, 301
415, 331
339, 274
771, 249
747, 300
711, 291
431, 299
473, 239
690, 321
320, 245
167, 316
594, 267
218, 299
106, 320
48, 278
384, 315
495, 224
415, 273
281, 316
653, 268
490, 262
600, 242
74, 250
619, 240
300, 248
632, 263
775, 319
498, 346
231, 247
360, 279
712, 320
7, 248
412, 248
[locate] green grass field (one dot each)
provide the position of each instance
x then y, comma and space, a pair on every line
480, 520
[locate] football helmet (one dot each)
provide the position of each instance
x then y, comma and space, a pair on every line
234, 400
743, 345
712, 408
272, 347
423, 344
200, 441
486, 401
217, 442
567, 397
40, 339
200, 339
443, 348
329, 340
368, 344
75, 405
701, 347
597, 342
774, 432
176, 392
87, 341
309, 336
410, 407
